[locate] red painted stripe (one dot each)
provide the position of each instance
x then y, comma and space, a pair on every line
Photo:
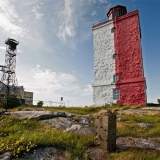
132, 80
129, 62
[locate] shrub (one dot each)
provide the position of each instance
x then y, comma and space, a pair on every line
40, 103
11, 102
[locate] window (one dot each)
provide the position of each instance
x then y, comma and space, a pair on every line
115, 56
113, 29
115, 94
115, 78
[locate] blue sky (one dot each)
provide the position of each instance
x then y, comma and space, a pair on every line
55, 51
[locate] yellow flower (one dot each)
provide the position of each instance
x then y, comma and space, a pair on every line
27, 149
2, 144
18, 150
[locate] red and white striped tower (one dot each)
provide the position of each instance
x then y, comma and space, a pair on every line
118, 64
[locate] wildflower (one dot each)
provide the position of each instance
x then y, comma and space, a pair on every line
18, 150
17, 142
27, 149
2, 145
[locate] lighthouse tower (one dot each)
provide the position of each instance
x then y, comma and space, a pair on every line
118, 64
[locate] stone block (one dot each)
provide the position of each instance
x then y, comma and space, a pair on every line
105, 129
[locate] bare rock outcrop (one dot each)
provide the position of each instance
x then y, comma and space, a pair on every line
5, 156
47, 153
145, 125
39, 115
130, 142
141, 112
80, 126
59, 120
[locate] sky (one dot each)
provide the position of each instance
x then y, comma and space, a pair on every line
55, 51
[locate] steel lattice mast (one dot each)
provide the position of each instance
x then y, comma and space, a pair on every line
9, 81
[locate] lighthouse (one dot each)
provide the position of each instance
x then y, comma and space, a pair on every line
118, 63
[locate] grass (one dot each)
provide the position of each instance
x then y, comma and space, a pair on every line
145, 118
129, 126
77, 110
20, 136
134, 154
89, 110
134, 130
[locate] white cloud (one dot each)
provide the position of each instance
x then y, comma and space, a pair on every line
103, 1
87, 91
65, 18
68, 27
71, 18
99, 1
48, 85
94, 13
9, 18
36, 11
8, 10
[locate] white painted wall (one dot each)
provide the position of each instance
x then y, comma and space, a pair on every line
103, 95
104, 64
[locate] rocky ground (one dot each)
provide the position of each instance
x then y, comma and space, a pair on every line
146, 111
59, 120
81, 125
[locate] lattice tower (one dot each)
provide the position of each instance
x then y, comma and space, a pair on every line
9, 81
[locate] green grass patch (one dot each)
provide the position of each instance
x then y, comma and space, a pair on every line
20, 136
134, 154
129, 129
145, 118
77, 110
129, 126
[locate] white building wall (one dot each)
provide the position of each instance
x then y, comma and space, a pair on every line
104, 64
